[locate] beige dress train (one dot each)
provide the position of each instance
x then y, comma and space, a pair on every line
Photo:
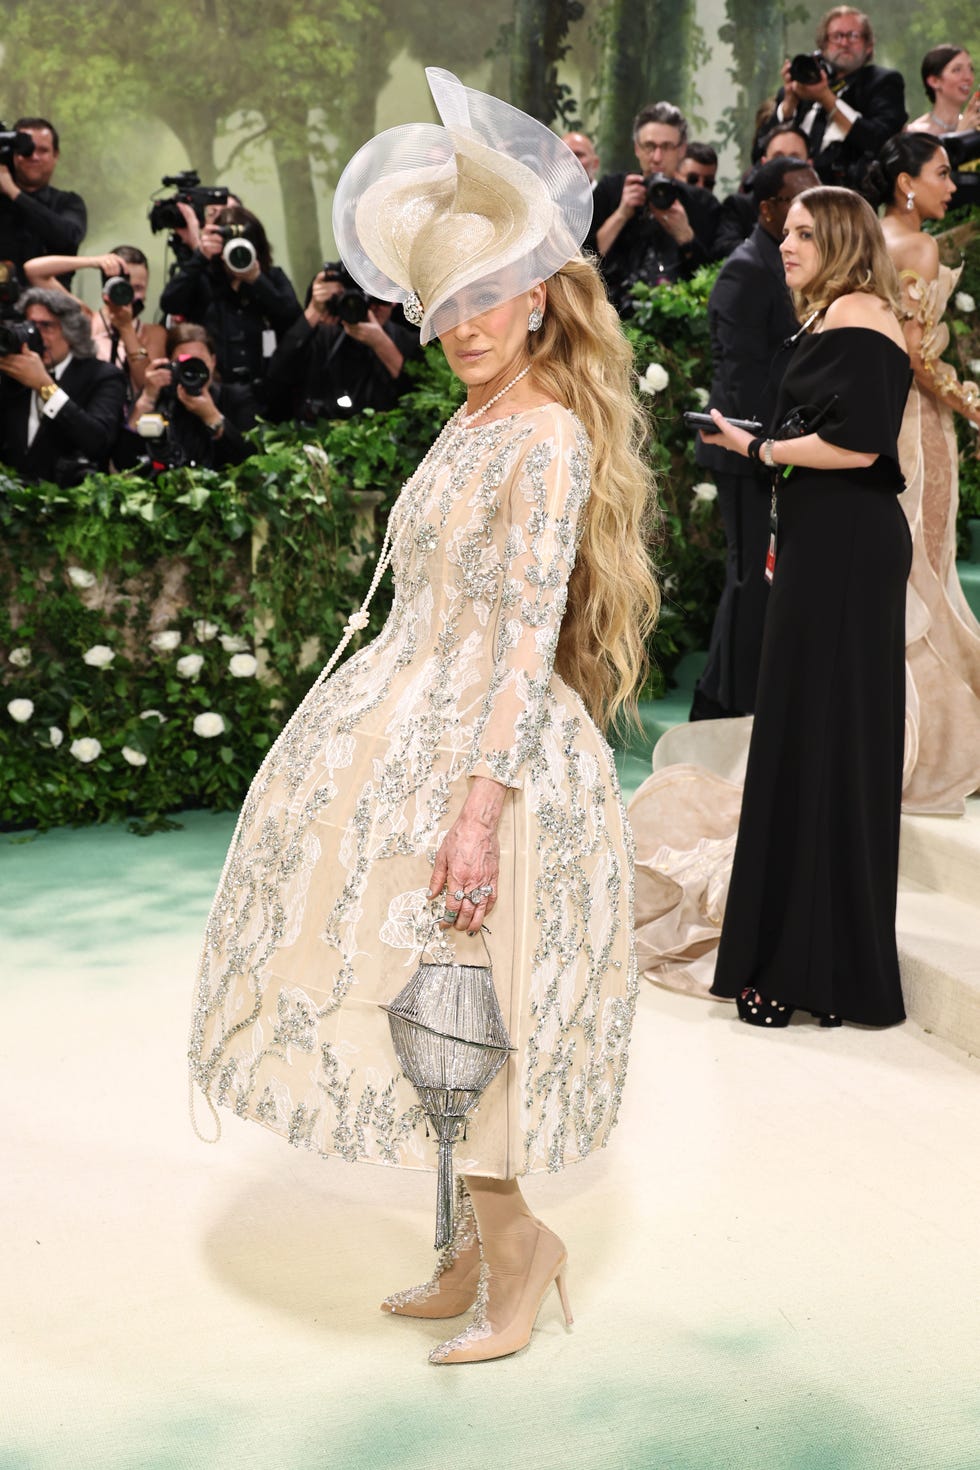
322, 914
942, 722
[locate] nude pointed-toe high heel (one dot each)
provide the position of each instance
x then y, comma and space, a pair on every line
484, 1339
452, 1289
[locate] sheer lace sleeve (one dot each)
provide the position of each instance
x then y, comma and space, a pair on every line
925, 307
542, 512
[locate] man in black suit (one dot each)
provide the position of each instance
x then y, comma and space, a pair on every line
849, 113
35, 217
751, 318
60, 409
636, 241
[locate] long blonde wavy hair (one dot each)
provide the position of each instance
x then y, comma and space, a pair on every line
582, 359
851, 247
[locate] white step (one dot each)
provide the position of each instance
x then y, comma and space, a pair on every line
943, 853
939, 955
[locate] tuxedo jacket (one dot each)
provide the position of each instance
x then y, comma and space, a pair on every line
879, 96
88, 424
750, 317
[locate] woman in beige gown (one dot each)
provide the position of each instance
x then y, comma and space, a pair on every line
451, 770
942, 743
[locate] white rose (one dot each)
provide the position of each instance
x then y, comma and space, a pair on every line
205, 631
242, 665
166, 641
655, 379
55, 736
98, 656
20, 710
86, 750
701, 396
705, 491
208, 725
20, 657
231, 644
134, 757
964, 302
190, 665
79, 577
153, 714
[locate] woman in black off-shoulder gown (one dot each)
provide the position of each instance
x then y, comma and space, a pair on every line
810, 916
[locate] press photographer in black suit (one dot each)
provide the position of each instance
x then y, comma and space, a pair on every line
850, 107
751, 317
635, 239
344, 354
35, 217
60, 409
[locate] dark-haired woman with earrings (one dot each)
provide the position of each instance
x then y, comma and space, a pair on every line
912, 179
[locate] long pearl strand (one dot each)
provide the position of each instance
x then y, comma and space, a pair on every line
470, 418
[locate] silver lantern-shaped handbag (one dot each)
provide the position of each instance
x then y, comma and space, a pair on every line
451, 1041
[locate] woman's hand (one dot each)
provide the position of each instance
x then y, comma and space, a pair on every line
727, 437
468, 860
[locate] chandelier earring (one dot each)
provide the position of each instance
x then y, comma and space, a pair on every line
413, 309
535, 320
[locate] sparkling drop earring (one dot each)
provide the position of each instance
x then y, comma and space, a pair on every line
535, 319
910, 201
413, 309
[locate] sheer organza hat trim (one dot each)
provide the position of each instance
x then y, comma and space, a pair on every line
462, 216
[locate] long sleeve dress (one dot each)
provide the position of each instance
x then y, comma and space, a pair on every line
942, 656
321, 914
810, 914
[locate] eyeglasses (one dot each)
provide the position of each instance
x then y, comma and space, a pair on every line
657, 147
838, 36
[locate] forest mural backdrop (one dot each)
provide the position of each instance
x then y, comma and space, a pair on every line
272, 97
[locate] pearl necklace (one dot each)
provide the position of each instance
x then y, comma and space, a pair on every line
470, 418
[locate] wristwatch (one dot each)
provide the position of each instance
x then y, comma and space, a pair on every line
47, 392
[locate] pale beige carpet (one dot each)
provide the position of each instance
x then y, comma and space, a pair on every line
776, 1263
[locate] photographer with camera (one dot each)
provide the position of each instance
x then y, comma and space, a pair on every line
344, 354
650, 226
60, 407
845, 104
230, 286
184, 415
35, 217
185, 212
119, 333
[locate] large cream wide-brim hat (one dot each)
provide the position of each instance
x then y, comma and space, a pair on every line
461, 216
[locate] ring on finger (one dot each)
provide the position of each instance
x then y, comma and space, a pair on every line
477, 895
449, 917
459, 895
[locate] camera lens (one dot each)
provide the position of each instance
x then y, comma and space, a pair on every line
190, 373
118, 291
661, 191
239, 256
806, 69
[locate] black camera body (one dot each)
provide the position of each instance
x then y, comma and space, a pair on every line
810, 67
164, 214
662, 191
352, 304
17, 334
190, 373
14, 145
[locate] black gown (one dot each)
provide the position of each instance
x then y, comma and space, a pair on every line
810, 917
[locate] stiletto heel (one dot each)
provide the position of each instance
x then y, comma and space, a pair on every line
483, 1339
563, 1295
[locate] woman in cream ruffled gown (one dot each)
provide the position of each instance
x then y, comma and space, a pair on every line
942, 747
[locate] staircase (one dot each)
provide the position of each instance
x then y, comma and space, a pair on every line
939, 924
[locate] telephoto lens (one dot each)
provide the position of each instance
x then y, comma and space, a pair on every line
661, 191
239, 256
